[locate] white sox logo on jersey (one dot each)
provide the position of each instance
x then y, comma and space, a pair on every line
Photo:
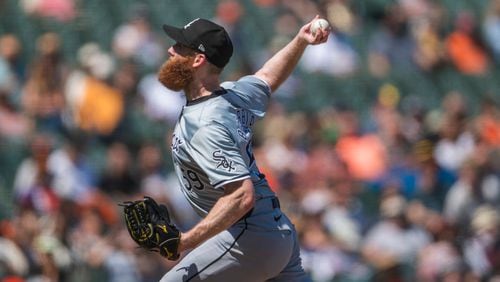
222, 161
176, 143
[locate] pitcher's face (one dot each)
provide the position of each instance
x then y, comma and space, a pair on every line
177, 72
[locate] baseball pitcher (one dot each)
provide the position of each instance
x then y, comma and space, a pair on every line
243, 236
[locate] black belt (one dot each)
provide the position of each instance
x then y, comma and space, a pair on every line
274, 201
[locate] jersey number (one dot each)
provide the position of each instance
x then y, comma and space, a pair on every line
192, 179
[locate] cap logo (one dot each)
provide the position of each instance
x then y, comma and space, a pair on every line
201, 48
190, 23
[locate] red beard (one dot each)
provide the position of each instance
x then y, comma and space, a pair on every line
176, 73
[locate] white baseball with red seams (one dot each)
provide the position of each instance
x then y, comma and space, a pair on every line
319, 24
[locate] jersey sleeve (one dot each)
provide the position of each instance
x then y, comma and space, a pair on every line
253, 94
218, 155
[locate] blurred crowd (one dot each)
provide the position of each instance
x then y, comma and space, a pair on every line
399, 192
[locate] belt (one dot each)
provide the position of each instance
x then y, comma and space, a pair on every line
275, 204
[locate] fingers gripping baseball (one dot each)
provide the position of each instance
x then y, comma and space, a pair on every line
316, 31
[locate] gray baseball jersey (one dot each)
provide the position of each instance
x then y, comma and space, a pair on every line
211, 144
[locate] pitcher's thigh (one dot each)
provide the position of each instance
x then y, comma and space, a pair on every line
293, 272
255, 256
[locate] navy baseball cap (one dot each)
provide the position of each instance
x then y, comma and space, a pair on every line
206, 37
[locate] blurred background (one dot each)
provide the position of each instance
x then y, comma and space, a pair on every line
383, 145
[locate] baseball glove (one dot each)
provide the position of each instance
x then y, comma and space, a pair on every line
149, 225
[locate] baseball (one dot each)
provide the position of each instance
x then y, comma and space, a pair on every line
319, 23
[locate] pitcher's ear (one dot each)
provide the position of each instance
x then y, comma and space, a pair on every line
199, 59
